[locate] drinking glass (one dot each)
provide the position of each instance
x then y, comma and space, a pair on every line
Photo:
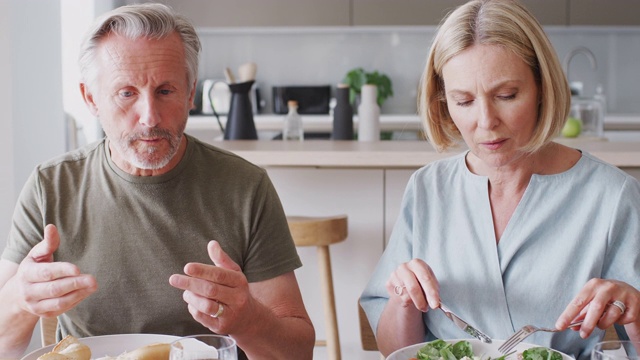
204, 347
616, 350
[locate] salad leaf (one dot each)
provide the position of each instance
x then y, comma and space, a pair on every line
540, 353
431, 350
440, 349
503, 357
446, 354
462, 349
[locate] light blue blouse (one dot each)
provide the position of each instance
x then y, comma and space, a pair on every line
568, 228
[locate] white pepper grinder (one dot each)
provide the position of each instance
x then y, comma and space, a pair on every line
368, 114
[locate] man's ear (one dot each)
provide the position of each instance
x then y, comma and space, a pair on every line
87, 96
192, 95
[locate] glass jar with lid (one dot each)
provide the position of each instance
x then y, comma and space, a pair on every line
591, 113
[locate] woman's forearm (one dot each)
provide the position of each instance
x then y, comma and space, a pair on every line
399, 326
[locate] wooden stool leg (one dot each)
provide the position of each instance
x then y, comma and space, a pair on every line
328, 300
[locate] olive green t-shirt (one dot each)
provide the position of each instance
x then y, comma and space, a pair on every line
132, 233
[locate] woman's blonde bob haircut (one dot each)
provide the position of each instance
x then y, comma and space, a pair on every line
493, 22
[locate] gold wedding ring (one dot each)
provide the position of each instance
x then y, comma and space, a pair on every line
219, 312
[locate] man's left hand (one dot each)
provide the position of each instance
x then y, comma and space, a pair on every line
217, 295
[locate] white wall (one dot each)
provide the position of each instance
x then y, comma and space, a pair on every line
36, 90
31, 127
76, 17
72, 32
6, 140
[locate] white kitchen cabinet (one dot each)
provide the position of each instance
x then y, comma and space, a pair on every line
395, 182
323, 192
371, 198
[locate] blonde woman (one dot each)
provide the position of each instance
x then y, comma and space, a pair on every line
518, 229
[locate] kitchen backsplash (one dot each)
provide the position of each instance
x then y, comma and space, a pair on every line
322, 56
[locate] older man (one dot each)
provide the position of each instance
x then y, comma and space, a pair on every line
116, 236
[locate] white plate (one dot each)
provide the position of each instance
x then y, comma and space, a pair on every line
111, 345
479, 349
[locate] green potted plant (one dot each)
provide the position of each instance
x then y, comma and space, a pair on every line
357, 77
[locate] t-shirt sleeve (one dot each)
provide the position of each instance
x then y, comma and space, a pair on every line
272, 251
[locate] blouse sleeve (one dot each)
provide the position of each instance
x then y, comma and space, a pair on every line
398, 251
622, 261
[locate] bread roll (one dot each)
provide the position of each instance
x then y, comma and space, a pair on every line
68, 348
158, 351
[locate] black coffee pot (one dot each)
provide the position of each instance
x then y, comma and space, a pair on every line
240, 125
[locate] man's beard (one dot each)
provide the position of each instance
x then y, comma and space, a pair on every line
148, 157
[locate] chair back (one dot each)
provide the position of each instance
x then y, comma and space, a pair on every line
610, 334
367, 337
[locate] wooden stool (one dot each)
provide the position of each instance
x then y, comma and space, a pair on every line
322, 232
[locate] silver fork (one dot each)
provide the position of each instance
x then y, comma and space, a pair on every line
524, 332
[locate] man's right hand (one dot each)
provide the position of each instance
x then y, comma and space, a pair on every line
37, 287
46, 288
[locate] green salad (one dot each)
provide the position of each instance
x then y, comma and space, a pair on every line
541, 353
442, 350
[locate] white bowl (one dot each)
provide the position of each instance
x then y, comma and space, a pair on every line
479, 349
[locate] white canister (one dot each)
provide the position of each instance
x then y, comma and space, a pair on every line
368, 114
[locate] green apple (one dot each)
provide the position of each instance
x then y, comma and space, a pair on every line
572, 127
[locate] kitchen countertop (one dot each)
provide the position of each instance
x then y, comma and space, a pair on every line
391, 154
388, 122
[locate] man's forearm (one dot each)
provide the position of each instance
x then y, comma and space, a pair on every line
279, 338
16, 326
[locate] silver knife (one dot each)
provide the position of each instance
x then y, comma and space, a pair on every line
464, 325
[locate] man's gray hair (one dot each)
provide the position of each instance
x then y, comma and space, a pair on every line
151, 20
